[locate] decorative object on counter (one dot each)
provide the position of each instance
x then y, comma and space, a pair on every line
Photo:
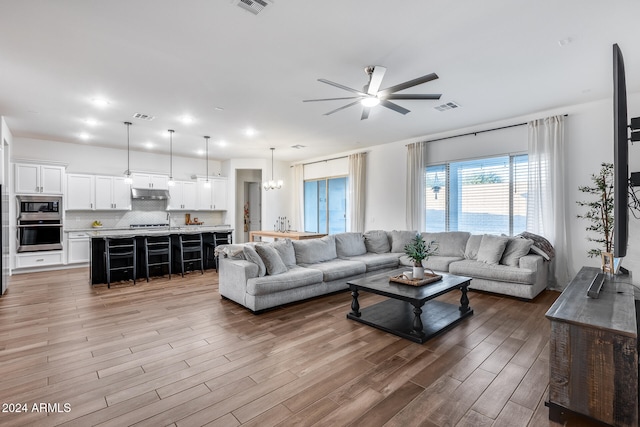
418, 250
272, 185
96, 224
171, 181
246, 216
282, 225
188, 221
187, 218
207, 184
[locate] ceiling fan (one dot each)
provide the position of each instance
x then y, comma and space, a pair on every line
370, 96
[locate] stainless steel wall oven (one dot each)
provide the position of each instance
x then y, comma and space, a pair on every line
39, 223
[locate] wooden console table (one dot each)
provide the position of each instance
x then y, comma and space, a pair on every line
594, 358
293, 235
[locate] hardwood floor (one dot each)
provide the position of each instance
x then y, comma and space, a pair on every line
172, 352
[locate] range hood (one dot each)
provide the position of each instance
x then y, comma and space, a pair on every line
149, 194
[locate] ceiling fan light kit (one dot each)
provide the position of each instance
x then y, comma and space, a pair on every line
370, 96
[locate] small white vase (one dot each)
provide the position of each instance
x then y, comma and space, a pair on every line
418, 273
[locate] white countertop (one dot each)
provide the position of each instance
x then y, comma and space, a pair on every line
151, 231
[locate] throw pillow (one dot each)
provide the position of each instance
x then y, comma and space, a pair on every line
400, 239
491, 248
312, 251
250, 254
286, 251
450, 243
350, 244
272, 261
516, 249
377, 242
541, 246
473, 244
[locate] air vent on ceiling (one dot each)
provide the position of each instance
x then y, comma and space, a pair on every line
298, 146
141, 116
448, 106
253, 6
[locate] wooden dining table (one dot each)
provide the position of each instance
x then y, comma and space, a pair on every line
293, 235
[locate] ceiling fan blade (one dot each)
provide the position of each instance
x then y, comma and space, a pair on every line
343, 107
329, 82
376, 79
365, 113
394, 107
408, 84
331, 99
407, 96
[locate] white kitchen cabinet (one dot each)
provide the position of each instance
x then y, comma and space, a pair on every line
80, 192
183, 196
112, 193
38, 179
145, 180
214, 197
39, 259
78, 247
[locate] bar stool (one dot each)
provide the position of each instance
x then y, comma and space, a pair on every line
218, 239
156, 248
191, 245
120, 255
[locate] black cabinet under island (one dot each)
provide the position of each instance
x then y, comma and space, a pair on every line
98, 265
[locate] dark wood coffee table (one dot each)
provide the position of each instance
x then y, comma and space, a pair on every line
410, 312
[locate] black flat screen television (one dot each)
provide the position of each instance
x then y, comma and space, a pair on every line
620, 157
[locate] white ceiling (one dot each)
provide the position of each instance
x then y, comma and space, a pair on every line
496, 58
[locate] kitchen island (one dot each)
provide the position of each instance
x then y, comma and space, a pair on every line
98, 273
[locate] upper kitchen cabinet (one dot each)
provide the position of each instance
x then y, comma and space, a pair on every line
112, 193
145, 180
38, 179
183, 196
80, 192
214, 197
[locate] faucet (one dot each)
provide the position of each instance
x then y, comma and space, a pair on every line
169, 218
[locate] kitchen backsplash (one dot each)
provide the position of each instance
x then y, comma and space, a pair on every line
142, 212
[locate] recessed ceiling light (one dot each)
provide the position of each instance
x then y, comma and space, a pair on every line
149, 145
100, 102
84, 136
222, 143
200, 152
218, 108
91, 122
187, 120
250, 132
564, 42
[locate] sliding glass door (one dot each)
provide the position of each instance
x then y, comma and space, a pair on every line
325, 205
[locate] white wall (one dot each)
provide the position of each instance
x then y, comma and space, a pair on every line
85, 158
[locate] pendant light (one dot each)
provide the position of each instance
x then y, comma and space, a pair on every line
127, 173
171, 181
207, 184
272, 185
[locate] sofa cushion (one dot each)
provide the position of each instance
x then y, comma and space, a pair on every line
295, 277
377, 241
375, 262
440, 263
311, 251
338, 269
516, 249
250, 254
449, 243
400, 239
491, 248
271, 259
286, 251
501, 273
473, 244
350, 244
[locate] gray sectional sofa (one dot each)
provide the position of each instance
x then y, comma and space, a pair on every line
261, 276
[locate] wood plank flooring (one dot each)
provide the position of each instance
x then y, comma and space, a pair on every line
173, 353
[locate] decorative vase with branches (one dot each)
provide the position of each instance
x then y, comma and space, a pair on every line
419, 250
600, 210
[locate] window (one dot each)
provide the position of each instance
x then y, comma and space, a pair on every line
480, 196
325, 205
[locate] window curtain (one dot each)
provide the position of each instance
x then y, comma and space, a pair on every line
297, 201
546, 198
357, 191
415, 203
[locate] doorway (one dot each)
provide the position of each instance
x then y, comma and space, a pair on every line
253, 208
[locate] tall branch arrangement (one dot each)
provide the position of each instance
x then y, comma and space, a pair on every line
600, 210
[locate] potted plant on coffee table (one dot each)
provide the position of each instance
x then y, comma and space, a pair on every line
419, 250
